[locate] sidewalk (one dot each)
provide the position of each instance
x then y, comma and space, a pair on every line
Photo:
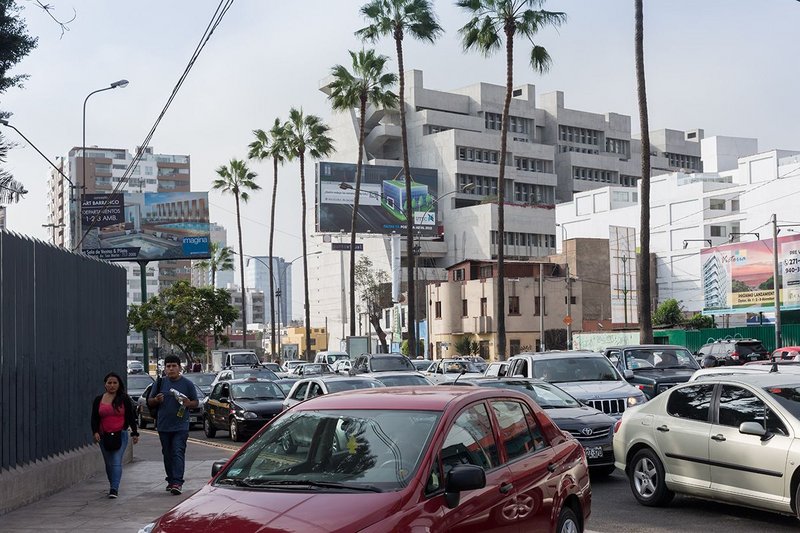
85, 507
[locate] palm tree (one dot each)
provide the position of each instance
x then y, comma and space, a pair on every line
221, 259
643, 276
237, 180
396, 18
493, 20
306, 133
367, 84
272, 144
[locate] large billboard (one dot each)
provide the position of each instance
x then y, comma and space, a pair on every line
622, 267
381, 207
146, 226
738, 278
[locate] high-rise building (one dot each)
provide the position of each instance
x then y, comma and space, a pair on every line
256, 276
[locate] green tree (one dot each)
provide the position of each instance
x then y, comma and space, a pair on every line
404, 347
669, 313
699, 321
491, 22
271, 145
184, 314
375, 291
396, 18
466, 346
740, 286
306, 133
237, 179
368, 84
221, 260
767, 285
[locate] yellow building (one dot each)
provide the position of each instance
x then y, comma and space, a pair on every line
296, 336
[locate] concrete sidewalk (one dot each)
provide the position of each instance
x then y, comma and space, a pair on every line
85, 507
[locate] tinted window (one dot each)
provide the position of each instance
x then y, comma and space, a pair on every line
571, 369
691, 402
514, 431
386, 364
300, 393
315, 390
400, 381
746, 348
351, 384
737, 405
471, 441
256, 391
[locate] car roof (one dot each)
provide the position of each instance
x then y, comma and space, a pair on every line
336, 377
758, 379
390, 373
247, 380
795, 348
561, 354
648, 347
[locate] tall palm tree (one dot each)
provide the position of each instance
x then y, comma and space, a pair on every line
306, 133
266, 145
237, 179
221, 259
417, 19
491, 22
369, 84
643, 275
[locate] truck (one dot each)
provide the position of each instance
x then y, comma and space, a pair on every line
222, 359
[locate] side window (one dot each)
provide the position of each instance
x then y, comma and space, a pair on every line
470, 441
520, 368
691, 402
314, 390
215, 393
737, 405
434, 483
514, 431
224, 391
300, 393
615, 356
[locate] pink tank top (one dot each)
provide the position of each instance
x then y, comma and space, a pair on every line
110, 419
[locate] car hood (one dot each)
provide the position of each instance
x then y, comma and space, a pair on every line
214, 509
666, 375
595, 390
262, 407
578, 417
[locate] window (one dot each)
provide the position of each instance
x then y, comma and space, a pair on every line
315, 390
484, 307
716, 204
737, 405
470, 441
458, 274
573, 300
691, 402
300, 393
486, 272
513, 305
539, 305
716, 231
464, 308
438, 309
514, 431
515, 347
483, 349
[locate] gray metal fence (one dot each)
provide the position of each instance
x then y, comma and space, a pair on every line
62, 328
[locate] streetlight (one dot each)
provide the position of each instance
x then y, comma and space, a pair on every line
79, 229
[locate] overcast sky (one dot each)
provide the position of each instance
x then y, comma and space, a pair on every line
727, 66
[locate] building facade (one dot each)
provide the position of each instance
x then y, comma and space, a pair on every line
257, 276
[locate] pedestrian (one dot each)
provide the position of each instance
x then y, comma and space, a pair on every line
112, 415
174, 397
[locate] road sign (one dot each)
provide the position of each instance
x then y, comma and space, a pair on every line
345, 246
568, 320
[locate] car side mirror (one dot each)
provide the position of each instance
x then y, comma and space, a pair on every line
754, 428
627, 374
461, 478
216, 466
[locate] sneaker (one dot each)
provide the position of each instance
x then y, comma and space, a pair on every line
176, 489
112, 494
169, 487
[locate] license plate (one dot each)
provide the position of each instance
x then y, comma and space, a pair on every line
594, 452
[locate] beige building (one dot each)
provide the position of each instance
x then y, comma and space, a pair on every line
297, 336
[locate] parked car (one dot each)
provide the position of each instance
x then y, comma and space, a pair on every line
592, 428
330, 357
588, 376
135, 367
448, 370
342, 366
382, 362
655, 367
732, 439
305, 389
136, 384
734, 351
311, 369
241, 407
497, 369
203, 380
421, 365
477, 360
788, 353
761, 367
143, 412
400, 379
288, 366
450, 458
244, 372
275, 367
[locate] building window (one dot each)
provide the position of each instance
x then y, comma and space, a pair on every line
483, 349
573, 300
486, 272
437, 309
515, 347
402, 318
464, 308
538, 304
513, 305
716, 231
484, 307
458, 274
716, 204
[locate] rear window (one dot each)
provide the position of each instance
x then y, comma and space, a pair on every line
750, 347
691, 402
386, 364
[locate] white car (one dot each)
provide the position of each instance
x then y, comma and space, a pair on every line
305, 389
448, 370
342, 366
731, 438
748, 369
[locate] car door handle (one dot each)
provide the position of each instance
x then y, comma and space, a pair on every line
719, 437
551, 467
663, 428
506, 488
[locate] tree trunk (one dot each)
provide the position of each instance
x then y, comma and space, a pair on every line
241, 272
307, 307
644, 299
271, 263
375, 320
363, 110
411, 301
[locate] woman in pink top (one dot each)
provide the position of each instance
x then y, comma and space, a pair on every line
112, 415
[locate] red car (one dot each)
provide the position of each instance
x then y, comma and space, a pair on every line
455, 459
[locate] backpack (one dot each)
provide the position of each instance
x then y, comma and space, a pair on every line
153, 392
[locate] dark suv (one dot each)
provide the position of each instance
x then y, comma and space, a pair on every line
655, 367
734, 351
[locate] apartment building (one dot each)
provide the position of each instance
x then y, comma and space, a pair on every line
255, 306
257, 276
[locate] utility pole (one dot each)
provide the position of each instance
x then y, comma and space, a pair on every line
541, 307
776, 285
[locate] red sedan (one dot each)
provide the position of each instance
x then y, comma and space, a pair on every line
398, 459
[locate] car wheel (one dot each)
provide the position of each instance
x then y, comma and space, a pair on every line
208, 429
141, 422
568, 521
235, 432
647, 479
602, 471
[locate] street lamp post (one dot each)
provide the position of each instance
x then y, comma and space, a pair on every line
77, 245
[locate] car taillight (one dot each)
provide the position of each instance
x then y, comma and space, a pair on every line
735, 355
640, 387
617, 424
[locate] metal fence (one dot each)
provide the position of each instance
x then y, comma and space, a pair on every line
62, 328
695, 339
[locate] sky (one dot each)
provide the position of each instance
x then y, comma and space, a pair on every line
727, 66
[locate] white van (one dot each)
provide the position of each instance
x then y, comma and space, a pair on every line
330, 357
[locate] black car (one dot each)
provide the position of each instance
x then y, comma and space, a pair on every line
382, 362
241, 406
203, 380
655, 367
734, 351
136, 384
592, 428
143, 412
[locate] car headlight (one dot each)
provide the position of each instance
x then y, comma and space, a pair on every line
148, 528
250, 415
635, 400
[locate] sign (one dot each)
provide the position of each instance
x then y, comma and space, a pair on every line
622, 269
345, 247
568, 320
146, 226
382, 199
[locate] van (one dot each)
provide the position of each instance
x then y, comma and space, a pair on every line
221, 359
330, 357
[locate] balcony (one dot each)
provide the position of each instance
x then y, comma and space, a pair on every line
483, 324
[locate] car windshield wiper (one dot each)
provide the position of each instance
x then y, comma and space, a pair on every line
678, 366
259, 482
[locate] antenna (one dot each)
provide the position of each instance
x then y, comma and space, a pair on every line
463, 371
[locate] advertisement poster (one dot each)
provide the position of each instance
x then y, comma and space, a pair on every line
622, 264
383, 197
738, 277
146, 226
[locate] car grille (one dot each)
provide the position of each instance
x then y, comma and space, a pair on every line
597, 433
665, 386
609, 407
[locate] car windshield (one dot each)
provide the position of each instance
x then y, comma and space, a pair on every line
333, 357
255, 373
350, 450
571, 369
646, 358
788, 396
387, 364
456, 367
399, 380
746, 348
243, 359
275, 367
313, 368
139, 382
256, 391
201, 379
547, 396
352, 384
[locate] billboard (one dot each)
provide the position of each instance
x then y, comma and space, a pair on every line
738, 277
622, 265
150, 226
381, 208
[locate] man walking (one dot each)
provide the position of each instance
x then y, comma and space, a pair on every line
173, 399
